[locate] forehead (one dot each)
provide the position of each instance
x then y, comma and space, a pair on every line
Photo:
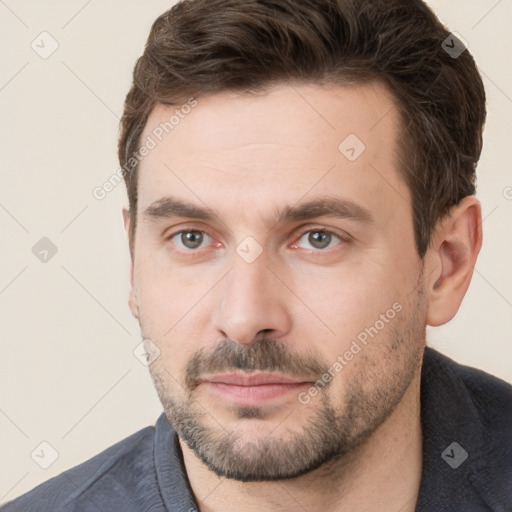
290, 140
277, 114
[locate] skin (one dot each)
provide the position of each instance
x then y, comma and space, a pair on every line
243, 156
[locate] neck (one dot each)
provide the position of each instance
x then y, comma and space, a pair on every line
382, 474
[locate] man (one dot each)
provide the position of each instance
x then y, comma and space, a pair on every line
300, 176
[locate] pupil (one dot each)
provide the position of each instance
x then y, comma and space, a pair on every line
319, 239
192, 239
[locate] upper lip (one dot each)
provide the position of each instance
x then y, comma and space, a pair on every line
258, 379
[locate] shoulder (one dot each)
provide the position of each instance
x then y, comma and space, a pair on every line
114, 474
466, 414
490, 395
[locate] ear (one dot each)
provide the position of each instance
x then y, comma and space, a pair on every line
452, 256
132, 299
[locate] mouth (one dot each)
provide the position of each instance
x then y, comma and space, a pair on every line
253, 389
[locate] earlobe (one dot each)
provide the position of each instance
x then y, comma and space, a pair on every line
456, 244
132, 299
132, 302
126, 219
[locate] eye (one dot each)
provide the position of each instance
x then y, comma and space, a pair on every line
319, 239
190, 239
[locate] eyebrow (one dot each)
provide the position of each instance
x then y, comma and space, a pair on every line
328, 206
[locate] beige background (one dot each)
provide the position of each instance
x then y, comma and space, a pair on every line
68, 373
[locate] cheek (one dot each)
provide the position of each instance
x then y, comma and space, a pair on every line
360, 306
349, 298
171, 312
165, 294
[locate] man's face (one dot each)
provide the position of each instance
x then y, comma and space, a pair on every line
251, 307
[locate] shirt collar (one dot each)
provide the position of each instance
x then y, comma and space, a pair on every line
170, 469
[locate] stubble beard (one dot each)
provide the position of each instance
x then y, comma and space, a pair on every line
330, 431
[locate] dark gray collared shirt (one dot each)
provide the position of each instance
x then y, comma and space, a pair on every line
466, 417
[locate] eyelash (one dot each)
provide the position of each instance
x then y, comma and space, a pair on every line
343, 239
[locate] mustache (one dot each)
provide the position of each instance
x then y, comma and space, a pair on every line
263, 355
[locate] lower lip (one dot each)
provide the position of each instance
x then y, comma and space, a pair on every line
254, 395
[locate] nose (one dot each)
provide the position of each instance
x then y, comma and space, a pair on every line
252, 300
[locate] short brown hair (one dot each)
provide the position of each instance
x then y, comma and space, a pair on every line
207, 46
